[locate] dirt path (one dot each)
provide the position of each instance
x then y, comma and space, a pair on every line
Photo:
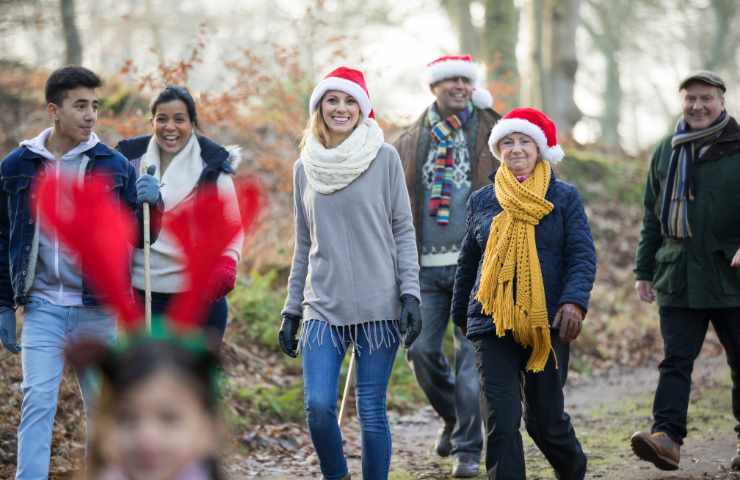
606, 410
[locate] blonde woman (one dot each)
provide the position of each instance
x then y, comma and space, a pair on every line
355, 273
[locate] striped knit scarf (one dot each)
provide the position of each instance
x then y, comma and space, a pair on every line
443, 134
511, 287
679, 187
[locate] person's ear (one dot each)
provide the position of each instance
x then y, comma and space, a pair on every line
52, 109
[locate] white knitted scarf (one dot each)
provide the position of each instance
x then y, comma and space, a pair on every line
332, 169
182, 174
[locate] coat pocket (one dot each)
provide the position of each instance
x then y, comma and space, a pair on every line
729, 277
670, 269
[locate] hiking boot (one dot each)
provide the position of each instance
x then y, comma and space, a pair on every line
465, 466
443, 445
735, 465
657, 448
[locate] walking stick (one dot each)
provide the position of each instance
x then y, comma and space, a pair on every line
347, 385
147, 268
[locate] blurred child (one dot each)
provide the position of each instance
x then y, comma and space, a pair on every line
158, 417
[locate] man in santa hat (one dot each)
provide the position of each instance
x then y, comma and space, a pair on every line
445, 157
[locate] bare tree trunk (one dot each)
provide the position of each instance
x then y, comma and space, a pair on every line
613, 20
533, 91
611, 118
156, 32
500, 34
467, 34
562, 76
721, 54
73, 52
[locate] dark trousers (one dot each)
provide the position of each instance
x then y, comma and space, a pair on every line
454, 394
214, 325
505, 385
683, 331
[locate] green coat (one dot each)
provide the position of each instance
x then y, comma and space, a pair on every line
696, 272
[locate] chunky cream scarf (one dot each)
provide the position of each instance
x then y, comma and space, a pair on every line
331, 169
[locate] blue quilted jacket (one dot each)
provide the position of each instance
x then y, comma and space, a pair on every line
564, 246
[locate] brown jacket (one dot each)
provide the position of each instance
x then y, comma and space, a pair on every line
413, 146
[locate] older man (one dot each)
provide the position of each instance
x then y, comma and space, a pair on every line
688, 256
446, 157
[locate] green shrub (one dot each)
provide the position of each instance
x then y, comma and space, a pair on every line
605, 177
255, 306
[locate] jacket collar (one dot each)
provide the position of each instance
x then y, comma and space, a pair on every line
99, 150
728, 143
553, 176
214, 155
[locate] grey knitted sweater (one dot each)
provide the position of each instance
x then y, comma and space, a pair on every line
355, 249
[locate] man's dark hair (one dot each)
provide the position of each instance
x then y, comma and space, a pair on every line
68, 78
176, 92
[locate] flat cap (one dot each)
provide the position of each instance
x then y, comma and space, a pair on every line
704, 76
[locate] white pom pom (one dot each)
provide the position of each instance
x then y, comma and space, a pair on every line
482, 98
554, 154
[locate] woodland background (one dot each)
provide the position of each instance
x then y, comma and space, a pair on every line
606, 71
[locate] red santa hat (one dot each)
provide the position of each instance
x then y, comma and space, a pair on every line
530, 122
347, 80
451, 66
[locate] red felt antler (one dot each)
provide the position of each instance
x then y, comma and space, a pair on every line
90, 222
204, 228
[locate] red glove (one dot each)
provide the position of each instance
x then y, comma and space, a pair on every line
224, 278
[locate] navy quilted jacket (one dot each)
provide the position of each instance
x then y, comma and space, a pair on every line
564, 246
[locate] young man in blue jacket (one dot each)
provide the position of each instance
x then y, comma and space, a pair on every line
37, 272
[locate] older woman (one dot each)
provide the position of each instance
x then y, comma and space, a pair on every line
355, 272
522, 287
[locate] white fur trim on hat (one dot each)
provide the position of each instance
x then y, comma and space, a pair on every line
510, 125
235, 155
343, 85
482, 98
449, 69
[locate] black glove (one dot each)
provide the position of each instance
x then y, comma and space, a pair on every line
410, 323
462, 322
287, 337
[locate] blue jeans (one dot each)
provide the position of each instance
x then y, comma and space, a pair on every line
47, 328
454, 395
322, 359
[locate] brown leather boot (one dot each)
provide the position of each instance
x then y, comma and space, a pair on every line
657, 448
735, 465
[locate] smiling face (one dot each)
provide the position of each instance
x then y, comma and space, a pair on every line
453, 94
172, 126
75, 118
702, 104
154, 437
520, 153
340, 113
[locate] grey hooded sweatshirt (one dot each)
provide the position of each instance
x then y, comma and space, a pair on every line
56, 277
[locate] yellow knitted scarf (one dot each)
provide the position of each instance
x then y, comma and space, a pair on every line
511, 263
